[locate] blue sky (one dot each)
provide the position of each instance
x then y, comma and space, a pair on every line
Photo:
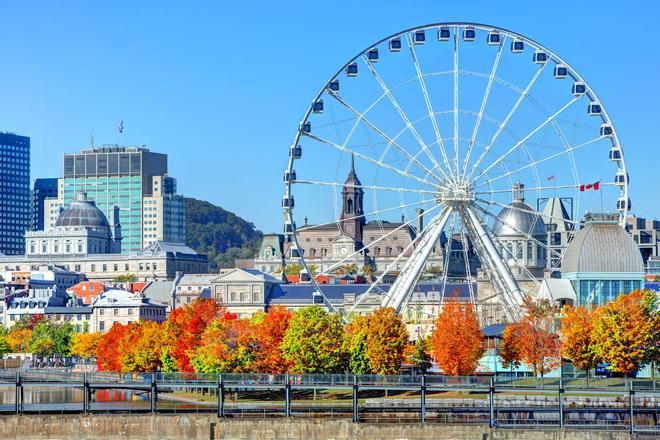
220, 86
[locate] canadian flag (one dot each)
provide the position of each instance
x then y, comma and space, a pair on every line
589, 186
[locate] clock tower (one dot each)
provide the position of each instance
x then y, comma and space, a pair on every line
352, 213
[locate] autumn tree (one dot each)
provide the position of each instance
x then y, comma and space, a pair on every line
625, 332
508, 347
533, 338
227, 345
457, 340
19, 340
184, 327
141, 347
313, 342
578, 344
355, 339
347, 269
108, 348
269, 332
85, 344
386, 340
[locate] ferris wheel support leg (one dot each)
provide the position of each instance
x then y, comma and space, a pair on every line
503, 272
405, 282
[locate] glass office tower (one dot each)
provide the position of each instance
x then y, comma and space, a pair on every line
41, 190
14, 192
115, 176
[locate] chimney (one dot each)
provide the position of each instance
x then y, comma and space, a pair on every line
420, 220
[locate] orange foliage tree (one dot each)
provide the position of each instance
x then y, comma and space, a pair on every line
533, 338
387, 338
184, 327
578, 344
85, 344
108, 350
457, 340
269, 333
19, 340
625, 331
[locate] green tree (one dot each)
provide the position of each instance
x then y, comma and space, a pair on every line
4, 344
421, 357
347, 269
168, 364
313, 342
49, 338
125, 278
356, 345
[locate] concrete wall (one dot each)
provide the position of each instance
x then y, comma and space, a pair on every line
200, 426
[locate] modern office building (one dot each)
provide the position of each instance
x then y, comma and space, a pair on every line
164, 213
14, 192
132, 178
42, 189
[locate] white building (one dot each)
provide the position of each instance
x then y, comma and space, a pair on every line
118, 306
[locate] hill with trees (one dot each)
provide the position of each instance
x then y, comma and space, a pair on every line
220, 234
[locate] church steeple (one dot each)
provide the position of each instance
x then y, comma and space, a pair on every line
352, 214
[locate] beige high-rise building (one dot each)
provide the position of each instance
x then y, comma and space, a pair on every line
164, 213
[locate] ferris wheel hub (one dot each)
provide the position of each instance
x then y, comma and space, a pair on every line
455, 195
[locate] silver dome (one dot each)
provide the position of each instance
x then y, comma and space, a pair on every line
513, 220
82, 212
602, 247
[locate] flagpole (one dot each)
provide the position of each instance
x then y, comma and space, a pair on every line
601, 196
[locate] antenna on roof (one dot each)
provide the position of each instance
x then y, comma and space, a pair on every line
91, 140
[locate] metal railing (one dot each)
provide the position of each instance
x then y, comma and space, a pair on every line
631, 404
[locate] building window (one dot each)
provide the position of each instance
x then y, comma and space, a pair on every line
101, 325
101, 312
115, 312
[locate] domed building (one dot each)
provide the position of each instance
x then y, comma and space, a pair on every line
80, 229
602, 261
514, 226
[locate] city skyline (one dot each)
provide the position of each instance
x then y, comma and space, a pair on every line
163, 81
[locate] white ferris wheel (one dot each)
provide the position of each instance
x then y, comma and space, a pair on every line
454, 122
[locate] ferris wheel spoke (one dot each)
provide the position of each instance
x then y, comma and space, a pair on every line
448, 246
529, 135
540, 188
366, 187
466, 260
513, 256
427, 100
515, 208
405, 283
378, 240
379, 163
376, 284
387, 139
508, 117
515, 229
561, 153
424, 147
484, 101
456, 101
375, 212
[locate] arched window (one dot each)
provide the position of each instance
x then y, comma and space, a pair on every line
388, 250
349, 206
312, 252
377, 251
530, 257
